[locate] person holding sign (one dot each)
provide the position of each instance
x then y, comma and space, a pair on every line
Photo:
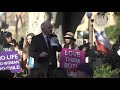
70, 56
69, 42
6, 38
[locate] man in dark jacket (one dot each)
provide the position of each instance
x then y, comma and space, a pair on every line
41, 49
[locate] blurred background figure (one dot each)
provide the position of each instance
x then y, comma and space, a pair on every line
85, 70
21, 43
26, 56
16, 47
59, 73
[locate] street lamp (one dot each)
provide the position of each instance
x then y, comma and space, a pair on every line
91, 32
90, 28
86, 34
82, 34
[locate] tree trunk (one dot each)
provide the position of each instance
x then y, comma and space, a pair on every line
16, 27
21, 20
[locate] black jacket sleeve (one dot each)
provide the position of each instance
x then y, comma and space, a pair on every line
33, 50
58, 48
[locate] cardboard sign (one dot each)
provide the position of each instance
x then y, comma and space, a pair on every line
70, 59
10, 61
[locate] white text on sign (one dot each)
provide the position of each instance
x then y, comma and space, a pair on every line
72, 53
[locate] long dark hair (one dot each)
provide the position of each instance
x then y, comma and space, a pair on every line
5, 35
14, 42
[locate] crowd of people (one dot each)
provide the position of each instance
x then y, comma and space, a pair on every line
44, 53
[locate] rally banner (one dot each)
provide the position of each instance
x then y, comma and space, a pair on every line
70, 59
10, 61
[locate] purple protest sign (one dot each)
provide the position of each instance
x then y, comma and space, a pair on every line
70, 59
10, 61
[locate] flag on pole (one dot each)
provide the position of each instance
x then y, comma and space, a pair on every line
103, 34
105, 37
101, 43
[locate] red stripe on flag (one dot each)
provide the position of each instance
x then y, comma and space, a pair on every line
102, 48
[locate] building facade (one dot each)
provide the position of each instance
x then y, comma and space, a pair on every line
99, 23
